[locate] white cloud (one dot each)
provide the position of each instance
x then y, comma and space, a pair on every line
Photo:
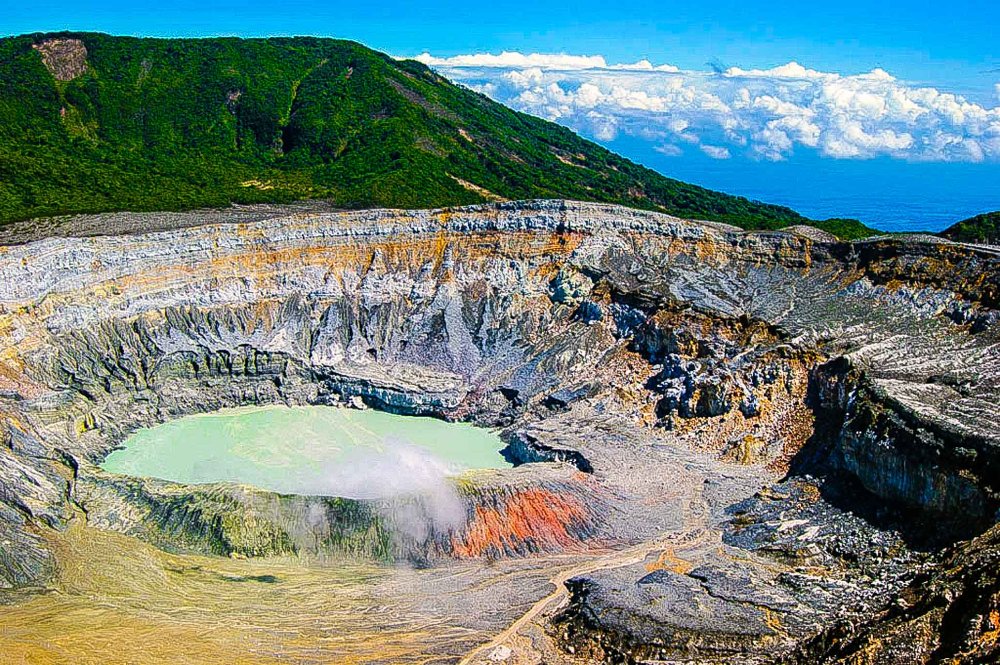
792, 70
669, 149
508, 59
763, 113
716, 152
996, 89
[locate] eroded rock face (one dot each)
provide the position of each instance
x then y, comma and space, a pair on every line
648, 372
949, 613
64, 58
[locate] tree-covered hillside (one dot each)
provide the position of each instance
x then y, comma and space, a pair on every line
91, 122
983, 228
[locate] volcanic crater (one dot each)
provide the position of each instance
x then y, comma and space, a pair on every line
728, 446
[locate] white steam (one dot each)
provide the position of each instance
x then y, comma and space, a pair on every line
411, 484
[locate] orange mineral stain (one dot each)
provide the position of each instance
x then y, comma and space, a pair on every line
539, 516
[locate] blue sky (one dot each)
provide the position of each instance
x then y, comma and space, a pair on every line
952, 43
913, 141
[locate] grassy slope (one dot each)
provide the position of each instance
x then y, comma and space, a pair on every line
983, 228
159, 124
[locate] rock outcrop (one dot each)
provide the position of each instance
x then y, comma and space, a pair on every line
64, 58
948, 614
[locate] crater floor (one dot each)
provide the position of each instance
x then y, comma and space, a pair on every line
729, 446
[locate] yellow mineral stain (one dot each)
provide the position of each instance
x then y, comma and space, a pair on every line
117, 600
992, 633
668, 560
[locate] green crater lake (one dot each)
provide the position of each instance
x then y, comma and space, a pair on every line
317, 450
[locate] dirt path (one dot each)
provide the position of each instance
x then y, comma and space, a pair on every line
525, 642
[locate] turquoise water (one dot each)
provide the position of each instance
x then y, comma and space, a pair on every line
309, 450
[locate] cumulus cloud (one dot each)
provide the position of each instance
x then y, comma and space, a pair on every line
792, 70
762, 113
546, 60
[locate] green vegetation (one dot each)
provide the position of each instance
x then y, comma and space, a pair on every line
172, 124
983, 228
846, 229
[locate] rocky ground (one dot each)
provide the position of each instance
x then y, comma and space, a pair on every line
732, 446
